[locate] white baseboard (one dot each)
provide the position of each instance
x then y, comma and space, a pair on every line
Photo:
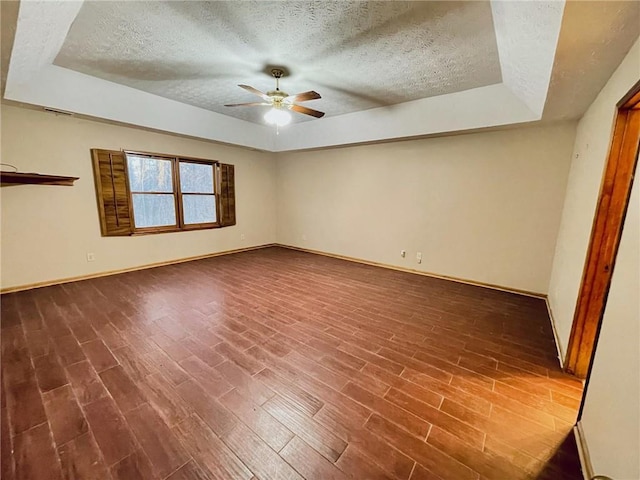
583, 452
555, 333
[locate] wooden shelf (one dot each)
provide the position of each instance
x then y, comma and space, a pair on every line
8, 179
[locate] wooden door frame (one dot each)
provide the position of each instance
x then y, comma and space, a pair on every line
606, 232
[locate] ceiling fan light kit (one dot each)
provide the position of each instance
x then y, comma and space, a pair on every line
277, 116
280, 102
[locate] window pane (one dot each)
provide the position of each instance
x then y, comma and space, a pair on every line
151, 210
196, 178
199, 208
149, 174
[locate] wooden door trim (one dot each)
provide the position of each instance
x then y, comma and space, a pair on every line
632, 99
615, 192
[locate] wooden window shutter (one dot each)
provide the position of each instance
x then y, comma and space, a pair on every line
109, 170
227, 195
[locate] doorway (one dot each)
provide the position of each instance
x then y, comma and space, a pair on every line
605, 235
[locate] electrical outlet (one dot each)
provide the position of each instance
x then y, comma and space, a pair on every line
304, 237
403, 253
91, 257
419, 257
242, 237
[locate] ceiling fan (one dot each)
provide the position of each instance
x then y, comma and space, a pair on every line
280, 102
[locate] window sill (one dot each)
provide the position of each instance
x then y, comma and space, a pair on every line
192, 228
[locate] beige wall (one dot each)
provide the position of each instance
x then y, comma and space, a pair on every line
611, 418
483, 206
471, 204
589, 156
48, 230
611, 411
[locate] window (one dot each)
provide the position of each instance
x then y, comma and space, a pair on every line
171, 193
198, 195
148, 193
152, 191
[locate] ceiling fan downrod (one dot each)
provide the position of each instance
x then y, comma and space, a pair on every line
277, 74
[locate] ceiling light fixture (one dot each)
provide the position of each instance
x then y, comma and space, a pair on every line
277, 116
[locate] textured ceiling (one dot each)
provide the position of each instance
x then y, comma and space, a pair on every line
148, 63
358, 55
595, 38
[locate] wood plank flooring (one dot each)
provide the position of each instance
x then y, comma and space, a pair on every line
278, 364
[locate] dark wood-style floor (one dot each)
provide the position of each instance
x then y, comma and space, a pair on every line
277, 364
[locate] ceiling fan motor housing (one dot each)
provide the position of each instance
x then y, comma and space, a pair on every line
277, 97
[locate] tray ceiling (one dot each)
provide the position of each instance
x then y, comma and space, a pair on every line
358, 55
386, 70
